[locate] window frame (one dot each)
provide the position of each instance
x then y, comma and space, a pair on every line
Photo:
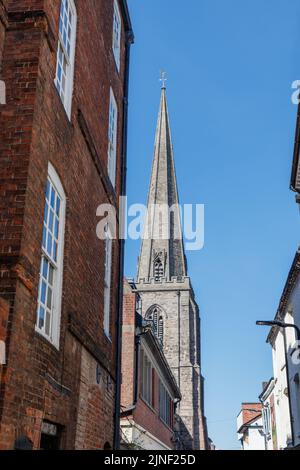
147, 377
67, 101
165, 405
107, 281
58, 265
112, 139
116, 42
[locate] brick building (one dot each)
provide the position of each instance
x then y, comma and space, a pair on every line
149, 393
62, 154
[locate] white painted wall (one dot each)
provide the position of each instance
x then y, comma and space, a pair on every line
253, 438
281, 401
293, 316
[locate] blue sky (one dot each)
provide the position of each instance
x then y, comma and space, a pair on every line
230, 66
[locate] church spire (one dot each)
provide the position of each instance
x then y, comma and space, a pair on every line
162, 252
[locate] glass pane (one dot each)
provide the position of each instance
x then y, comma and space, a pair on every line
51, 272
51, 221
47, 189
41, 317
44, 237
45, 268
43, 292
46, 213
54, 250
47, 329
49, 244
56, 228
52, 197
57, 206
49, 298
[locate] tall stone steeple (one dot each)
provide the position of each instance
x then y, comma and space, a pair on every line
167, 296
162, 253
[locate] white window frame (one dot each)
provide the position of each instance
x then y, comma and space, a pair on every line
112, 138
165, 404
116, 36
54, 334
146, 382
107, 280
70, 60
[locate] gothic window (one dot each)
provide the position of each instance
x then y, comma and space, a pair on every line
158, 270
156, 317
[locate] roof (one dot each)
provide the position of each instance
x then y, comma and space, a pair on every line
267, 389
288, 288
127, 20
163, 243
249, 413
156, 349
295, 176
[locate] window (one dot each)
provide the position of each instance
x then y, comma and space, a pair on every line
107, 280
158, 270
165, 405
51, 271
267, 420
117, 34
66, 53
146, 378
112, 138
156, 317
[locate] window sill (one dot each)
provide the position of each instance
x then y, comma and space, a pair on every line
165, 424
54, 344
65, 111
148, 405
108, 337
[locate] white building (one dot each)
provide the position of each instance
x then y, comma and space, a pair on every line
267, 399
250, 427
286, 364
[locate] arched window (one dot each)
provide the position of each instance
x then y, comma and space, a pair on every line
52, 252
158, 270
156, 317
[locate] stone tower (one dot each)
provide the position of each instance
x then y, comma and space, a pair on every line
167, 297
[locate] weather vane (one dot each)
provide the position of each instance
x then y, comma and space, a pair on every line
163, 78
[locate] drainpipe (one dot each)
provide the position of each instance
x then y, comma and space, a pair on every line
116, 443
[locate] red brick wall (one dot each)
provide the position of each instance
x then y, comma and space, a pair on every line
35, 131
128, 347
148, 417
249, 411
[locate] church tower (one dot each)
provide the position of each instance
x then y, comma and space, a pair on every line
167, 297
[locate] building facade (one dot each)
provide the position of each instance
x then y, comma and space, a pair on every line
150, 394
250, 427
286, 362
62, 154
267, 399
165, 289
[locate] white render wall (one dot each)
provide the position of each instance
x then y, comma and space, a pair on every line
293, 316
255, 439
281, 401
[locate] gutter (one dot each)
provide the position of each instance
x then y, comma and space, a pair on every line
129, 41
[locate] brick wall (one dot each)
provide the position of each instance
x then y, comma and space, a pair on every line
128, 347
35, 130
